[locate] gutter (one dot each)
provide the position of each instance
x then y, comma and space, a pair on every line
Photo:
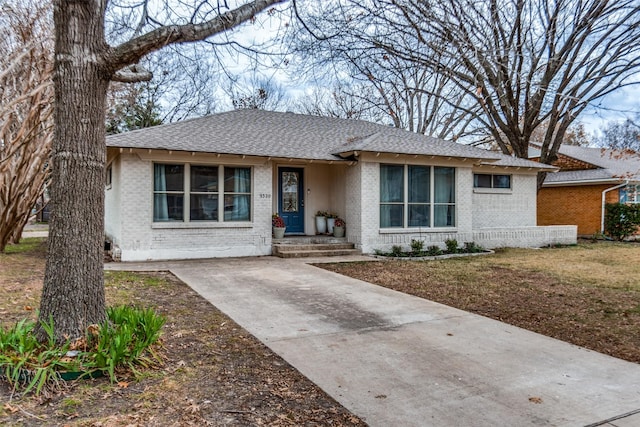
604, 192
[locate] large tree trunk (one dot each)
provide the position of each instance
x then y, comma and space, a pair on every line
73, 291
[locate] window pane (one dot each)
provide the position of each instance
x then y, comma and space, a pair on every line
419, 216
444, 182
204, 179
419, 187
290, 182
501, 181
391, 216
168, 207
444, 216
237, 208
168, 177
237, 180
391, 183
204, 207
481, 180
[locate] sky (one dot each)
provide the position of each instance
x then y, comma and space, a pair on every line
615, 107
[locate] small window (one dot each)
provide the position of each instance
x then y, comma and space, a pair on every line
108, 177
485, 180
630, 194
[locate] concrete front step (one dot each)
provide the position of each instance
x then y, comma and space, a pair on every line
323, 249
315, 253
320, 246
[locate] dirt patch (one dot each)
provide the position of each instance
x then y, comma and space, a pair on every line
216, 373
604, 316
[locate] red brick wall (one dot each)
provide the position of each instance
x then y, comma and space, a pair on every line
578, 205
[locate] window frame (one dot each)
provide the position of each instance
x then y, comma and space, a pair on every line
220, 194
406, 202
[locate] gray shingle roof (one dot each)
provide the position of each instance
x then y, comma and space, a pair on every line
612, 165
289, 135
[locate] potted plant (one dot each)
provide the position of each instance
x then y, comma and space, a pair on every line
321, 222
278, 226
338, 228
331, 220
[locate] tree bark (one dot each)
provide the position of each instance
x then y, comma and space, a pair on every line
73, 293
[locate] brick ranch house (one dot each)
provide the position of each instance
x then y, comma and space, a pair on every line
588, 179
208, 187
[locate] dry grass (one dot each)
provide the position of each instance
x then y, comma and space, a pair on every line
215, 373
588, 294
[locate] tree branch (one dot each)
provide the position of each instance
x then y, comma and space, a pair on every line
132, 51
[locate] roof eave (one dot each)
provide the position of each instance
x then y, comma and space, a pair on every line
588, 182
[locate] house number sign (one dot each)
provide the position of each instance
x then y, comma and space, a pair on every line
264, 196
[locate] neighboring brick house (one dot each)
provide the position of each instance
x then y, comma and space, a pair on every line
588, 179
207, 187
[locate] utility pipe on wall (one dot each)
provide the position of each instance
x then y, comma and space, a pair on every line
604, 192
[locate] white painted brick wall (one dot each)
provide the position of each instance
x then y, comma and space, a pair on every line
140, 240
353, 204
112, 218
505, 222
516, 208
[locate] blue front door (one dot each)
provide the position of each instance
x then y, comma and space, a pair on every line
291, 199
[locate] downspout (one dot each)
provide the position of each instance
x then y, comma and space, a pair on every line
624, 184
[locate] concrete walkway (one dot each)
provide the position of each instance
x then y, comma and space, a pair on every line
399, 360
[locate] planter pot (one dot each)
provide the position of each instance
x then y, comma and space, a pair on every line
338, 231
321, 225
278, 232
330, 224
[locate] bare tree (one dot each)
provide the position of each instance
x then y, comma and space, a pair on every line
337, 39
621, 135
256, 92
340, 102
522, 62
85, 64
26, 96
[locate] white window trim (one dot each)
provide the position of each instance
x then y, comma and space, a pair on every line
186, 191
432, 204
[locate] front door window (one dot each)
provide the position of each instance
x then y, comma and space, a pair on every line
290, 199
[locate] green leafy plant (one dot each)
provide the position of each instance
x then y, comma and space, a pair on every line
434, 251
452, 246
396, 250
620, 220
126, 340
417, 246
472, 248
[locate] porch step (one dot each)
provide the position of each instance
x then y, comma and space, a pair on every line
288, 250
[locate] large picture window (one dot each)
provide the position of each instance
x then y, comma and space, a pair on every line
202, 191
417, 196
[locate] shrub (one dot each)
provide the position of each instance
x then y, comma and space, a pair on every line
472, 248
452, 246
434, 251
396, 250
417, 246
621, 220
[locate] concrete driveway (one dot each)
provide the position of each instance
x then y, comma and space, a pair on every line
399, 360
